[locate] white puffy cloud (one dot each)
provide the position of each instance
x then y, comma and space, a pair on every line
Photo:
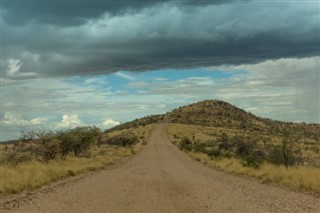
16, 119
108, 123
70, 121
13, 119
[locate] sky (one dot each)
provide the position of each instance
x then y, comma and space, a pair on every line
78, 63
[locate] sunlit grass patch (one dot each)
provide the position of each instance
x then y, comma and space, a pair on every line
303, 177
206, 145
32, 174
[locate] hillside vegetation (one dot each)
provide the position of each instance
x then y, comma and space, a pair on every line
226, 137
297, 164
215, 113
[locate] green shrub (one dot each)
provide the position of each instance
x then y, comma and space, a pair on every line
175, 136
199, 147
215, 153
186, 144
248, 150
275, 155
251, 161
243, 148
210, 143
78, 140
224, 142
21, 158
286, 153
227, 155
49, 149
85, 137
13, 157
47, 145
129, 139
68, 139
71, 173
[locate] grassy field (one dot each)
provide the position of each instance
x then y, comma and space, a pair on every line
32, 173
304, 175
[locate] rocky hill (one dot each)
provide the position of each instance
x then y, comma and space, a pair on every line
214, 113
218, 113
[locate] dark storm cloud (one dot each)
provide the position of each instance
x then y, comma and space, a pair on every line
75, 12
65, 13
90, 37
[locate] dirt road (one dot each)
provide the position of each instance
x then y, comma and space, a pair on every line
164, 179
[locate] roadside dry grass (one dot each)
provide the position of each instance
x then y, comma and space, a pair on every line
300, 176
33, 174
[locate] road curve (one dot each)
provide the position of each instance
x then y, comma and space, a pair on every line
161, 178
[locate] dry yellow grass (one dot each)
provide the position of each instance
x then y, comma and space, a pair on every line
204, 134
33, 174
200, 133
142, 132
300, 177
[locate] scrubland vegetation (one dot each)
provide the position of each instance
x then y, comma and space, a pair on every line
41, 157
229, 138
286, 158
213, 132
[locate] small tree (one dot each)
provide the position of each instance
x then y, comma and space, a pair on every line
98, 135
68, 139
224, 142
84, 139
48, 145
186, 144
285, 153
248, 151
199, 147
129, 139
243, 148
26, 136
